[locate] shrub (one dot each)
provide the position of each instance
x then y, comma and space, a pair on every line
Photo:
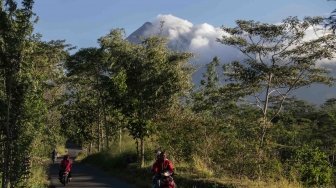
312, 166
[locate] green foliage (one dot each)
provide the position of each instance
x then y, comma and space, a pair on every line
187, 131
312, 166
148, 77
211, 96
223, 145
38, 177
278, 59
78, 119
88, 108
27, 66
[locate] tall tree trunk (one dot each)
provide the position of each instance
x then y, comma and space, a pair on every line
107, 129
264, 127
142, 154
98, 144
90, 148
120, 139
2, 153
7, 148
137, 149
102, 140
3, 146
99, 127
265, 109
5, 169
99, 105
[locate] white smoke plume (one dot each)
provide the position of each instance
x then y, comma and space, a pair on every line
198, 39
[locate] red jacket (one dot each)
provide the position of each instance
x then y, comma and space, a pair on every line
66, 165
160, 166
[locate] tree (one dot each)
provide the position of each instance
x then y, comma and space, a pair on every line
207, 96
25, 69
16, 27
149, 78
89, 92
324, 129
313, 166
212, 96
279, 59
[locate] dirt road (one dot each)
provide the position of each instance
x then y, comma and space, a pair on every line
86, 176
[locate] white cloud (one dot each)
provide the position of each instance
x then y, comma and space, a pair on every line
171, 26
199, 42
199, 39
206, 30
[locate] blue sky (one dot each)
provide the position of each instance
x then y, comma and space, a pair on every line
82, 22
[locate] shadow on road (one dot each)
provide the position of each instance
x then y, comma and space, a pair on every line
85, 176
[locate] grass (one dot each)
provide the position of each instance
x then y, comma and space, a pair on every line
81, 155
38, 177
120, 162
117, 166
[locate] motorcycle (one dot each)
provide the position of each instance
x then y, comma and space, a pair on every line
65, 178
54, 158
165, 180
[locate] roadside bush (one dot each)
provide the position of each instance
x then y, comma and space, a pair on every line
312, 166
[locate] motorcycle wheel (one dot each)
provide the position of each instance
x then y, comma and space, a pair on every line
65, 180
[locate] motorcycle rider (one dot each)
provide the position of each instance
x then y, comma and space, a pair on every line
54, 155
65, 166
162, 164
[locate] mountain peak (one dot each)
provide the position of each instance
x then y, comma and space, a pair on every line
139, 34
